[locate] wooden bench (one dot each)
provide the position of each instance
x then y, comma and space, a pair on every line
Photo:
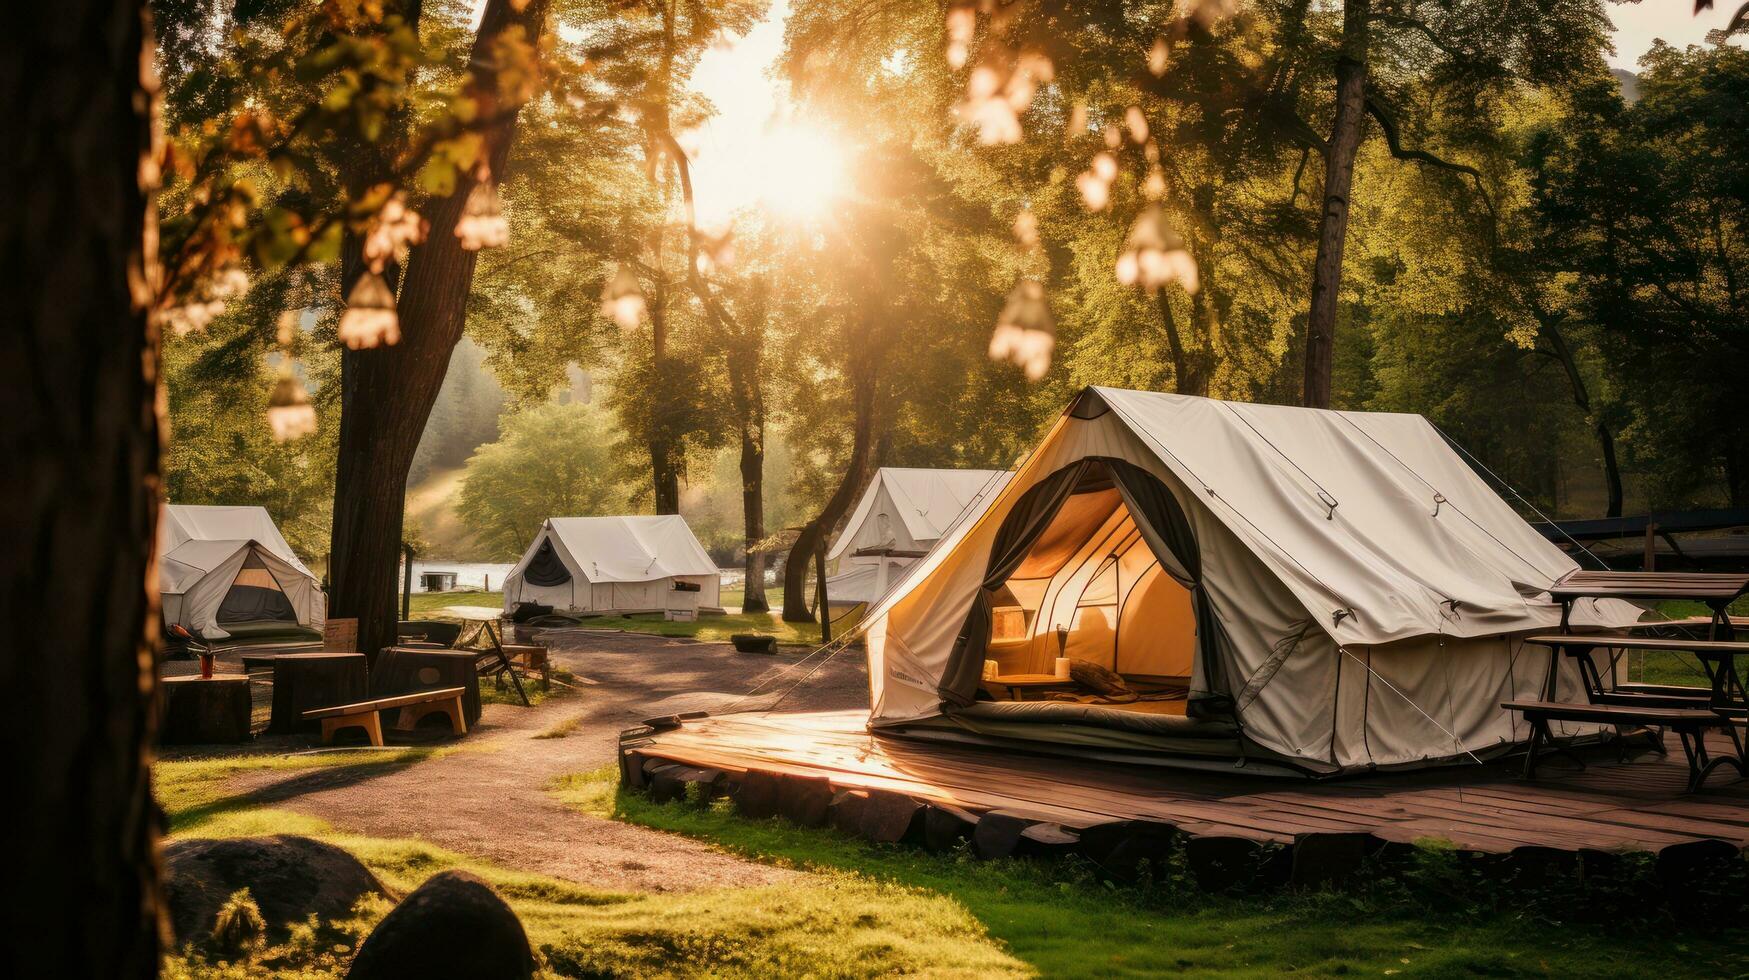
1691, 724
1725, 689
365, 714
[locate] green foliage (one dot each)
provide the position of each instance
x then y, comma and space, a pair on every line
1646, 205
239, 930
552, 461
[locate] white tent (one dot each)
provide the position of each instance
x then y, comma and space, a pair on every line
228, 570
1312, 590
614, 565
901, 515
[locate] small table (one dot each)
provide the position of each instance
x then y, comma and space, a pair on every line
201, 710
304, 681
1019, 684
407, 670
487, 618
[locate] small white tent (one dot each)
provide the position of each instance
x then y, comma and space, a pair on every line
901, 515
614, 566
227, 571
1311, 590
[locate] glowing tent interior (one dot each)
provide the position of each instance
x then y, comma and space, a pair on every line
1316, 591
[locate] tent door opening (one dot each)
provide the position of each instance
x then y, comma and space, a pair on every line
1089, 587
255, 596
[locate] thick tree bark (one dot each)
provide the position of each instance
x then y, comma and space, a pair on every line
387, 392
814, 533
79, 492
1339, 155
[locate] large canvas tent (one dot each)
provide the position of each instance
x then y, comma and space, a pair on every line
1302, 590
614, 566
227, 571
900, 516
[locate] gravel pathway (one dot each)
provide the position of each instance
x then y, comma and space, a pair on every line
490, 801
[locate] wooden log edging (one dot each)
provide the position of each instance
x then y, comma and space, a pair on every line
1126, 850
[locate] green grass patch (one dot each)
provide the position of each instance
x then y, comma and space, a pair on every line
1665, 667
832, 924
424, 605
491, 692
197, 796
1061, 920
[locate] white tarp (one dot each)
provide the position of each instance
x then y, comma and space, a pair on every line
204, 551
1371, 590
617, 565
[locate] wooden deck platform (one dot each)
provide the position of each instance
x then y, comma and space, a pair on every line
1609, 806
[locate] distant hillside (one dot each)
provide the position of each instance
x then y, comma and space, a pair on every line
1630, 84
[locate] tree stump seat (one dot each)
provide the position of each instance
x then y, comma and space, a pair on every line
304, 681
200, 710
368, 714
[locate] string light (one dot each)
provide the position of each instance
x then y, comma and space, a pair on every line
1026, 334
622, 301
370, 317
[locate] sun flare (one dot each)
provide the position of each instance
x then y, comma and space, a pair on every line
798, 173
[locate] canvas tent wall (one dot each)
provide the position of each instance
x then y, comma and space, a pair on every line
1341, 589
614, 566
228, 569
899, 517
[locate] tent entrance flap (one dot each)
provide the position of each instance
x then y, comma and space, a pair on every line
1095, 565
546, 569
255, 596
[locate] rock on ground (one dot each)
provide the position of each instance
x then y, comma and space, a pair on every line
454, 925
289, 878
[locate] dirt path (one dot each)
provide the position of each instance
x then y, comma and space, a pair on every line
490, 801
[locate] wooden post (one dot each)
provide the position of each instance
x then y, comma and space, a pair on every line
820, 590
1650, 559
406, 581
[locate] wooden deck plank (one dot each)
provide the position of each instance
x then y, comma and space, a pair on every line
1640, 804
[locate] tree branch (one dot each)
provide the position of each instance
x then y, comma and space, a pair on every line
1388, 126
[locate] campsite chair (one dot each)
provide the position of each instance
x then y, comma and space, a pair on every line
430, 631
496, 665
530, 658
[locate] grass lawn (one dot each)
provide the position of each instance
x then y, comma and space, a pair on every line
837, 923
1059, 920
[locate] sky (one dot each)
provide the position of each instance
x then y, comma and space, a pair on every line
1637, 25
735, 164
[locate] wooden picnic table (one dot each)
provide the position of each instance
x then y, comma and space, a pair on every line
1715, 590
408, 670
487, 618
303, 681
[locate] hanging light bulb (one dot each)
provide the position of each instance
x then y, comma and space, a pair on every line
482, 223
622, 300
370, 317
1025, 333
1154, 255
962, 22
289, 412
1157, 56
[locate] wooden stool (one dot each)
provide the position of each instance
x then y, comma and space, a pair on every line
302, 681
368, 714
205, 709
530, 657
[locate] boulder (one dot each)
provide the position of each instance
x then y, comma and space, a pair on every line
454, 925
289, 878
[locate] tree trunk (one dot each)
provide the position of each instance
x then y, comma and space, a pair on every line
1339, 156
1551, 329
749, 399
387, 392
79, 491
813, 534
664, 473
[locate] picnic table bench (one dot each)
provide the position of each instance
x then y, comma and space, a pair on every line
1690, 724
368, 714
